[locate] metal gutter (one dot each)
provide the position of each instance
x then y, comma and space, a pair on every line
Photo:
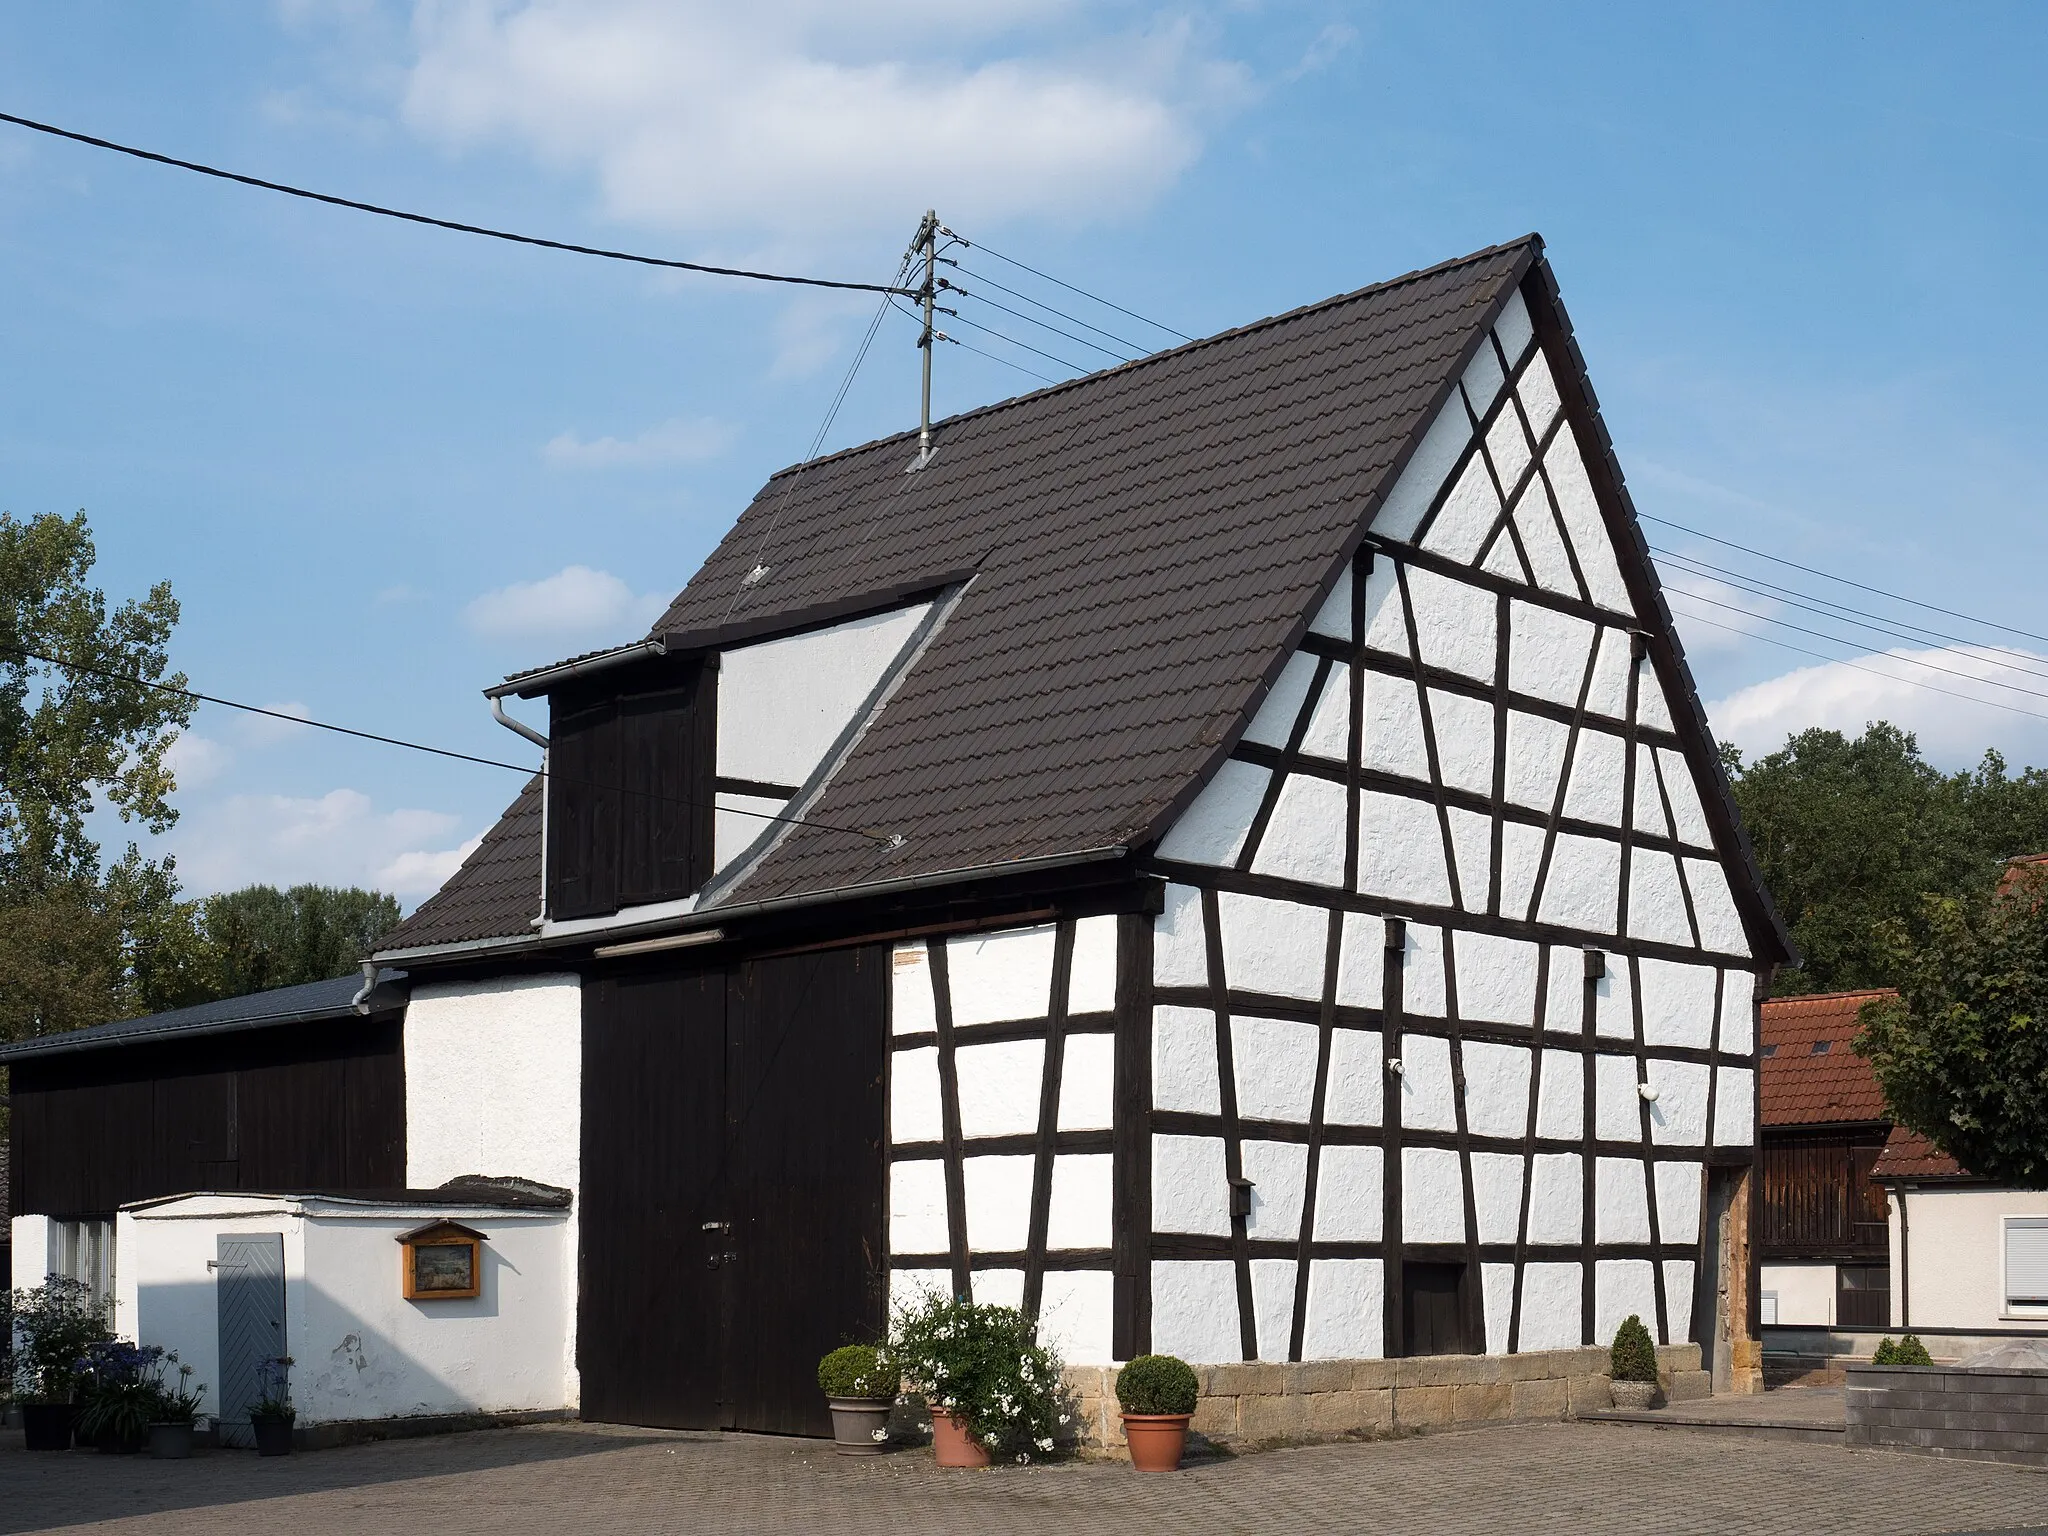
521, 944
540, 680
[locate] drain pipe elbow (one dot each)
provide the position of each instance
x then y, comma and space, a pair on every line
361, 1001
498, 714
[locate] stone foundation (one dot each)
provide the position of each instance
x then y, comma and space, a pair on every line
1260, 1404
1941, 1410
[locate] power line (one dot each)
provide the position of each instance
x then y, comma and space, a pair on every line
983, 277
1034, 320
1821, 634
1093, 297
412, 746
1897, 629
1897, 597
1839, 661
989, 330
421, 218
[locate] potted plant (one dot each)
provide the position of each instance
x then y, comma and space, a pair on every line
859, 1382
55, 1323
271, 1416
120, 1395
1632, 1363
170, 1434
991, 1386
1157, 1394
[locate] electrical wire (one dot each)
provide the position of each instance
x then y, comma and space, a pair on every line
421, 218
11, 652
1897, 629
967, 346
1897, 597
1122, 341
989, 330
1034, 320
1839, 661
1093, 297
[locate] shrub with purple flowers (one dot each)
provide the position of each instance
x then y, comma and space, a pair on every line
54, 1325
273, 1403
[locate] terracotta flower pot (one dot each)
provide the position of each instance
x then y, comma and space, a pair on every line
1156, 1440
860, 1425
954, 1443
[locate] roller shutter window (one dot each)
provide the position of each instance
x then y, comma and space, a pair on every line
2026, 1263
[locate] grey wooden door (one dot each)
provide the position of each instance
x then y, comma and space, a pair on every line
249, 1293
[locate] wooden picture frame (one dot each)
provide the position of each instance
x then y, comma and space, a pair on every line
442, 1261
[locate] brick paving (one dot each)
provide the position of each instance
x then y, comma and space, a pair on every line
1528, 1479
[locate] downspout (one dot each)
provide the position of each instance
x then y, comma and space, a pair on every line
522, 728
361, 1001
1905, 1264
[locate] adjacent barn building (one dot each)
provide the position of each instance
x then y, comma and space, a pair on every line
1226, 854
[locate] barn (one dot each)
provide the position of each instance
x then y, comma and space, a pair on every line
1225, 854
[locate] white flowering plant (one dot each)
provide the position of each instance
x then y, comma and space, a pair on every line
983, 1364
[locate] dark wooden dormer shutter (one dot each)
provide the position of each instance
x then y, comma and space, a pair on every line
630, 781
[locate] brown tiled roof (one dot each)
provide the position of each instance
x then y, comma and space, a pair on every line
1909, 1155
1832, 1086
495, 893
1146, 542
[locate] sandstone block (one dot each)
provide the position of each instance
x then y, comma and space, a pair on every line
1422, 1407
1374, 1375
1689, 1386
1474, 1402
1273, 1416
1253, 1377
1216, 1417
1590, 1394
1549, 1398
1321, 1376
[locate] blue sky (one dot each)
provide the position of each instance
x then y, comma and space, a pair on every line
381, 465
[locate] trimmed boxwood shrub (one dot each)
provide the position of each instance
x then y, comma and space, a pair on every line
1157, 1384
1906, 1351
1633, 1357
857, 1370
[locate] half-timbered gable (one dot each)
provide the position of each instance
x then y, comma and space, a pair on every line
1242, 820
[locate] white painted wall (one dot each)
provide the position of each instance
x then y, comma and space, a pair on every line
30, 1240
782, 703
1954, 1261
1805, 1292
362, 1350
493, 1086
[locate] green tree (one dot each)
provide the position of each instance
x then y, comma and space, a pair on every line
1852, 833
1962, 1051
72, 736
261, 937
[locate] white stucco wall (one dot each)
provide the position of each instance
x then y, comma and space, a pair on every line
1805, 1293
30, 1252
361, 1350
1954, 1264
493, 1086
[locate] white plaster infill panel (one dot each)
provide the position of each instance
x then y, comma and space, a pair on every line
1180, 953
1454, 624
1432, 1196
1304, 837
1550, 1306
1274, 1062
1000, 1084
1002, 975
1344, 1310
1190, 1188
782, 703
1184, 1062
912, 1010
1274, 723
1088, 1083
1273, 947
1091, 971
1194, 1310
1212, 830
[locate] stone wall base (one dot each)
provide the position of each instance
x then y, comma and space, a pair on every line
1311, 1400
1938, 1410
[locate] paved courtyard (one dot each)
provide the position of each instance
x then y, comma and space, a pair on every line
1528, 1480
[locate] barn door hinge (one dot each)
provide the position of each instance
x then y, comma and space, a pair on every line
716, 1260
717, 1226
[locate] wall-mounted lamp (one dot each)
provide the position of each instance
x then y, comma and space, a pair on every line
1394, 1065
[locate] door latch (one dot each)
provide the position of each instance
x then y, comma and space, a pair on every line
717, 1226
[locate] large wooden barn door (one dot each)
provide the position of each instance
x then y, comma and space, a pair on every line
732, 1188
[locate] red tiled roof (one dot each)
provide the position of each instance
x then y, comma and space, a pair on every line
1909, 1155
1832, 1086
2026, 866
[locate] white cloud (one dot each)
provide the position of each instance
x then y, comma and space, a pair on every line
420, 872
679, 440
339, 838
575, 601
196, 761
1720, 617
799, 118
1953, 731
268, 730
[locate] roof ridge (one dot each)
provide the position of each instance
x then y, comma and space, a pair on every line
1822, 997
1368, 291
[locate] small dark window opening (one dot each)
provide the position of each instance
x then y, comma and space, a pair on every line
1435, 1310
630, 791
1820, 1047
1769, 1050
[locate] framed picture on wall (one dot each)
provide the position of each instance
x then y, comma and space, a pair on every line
443, 1261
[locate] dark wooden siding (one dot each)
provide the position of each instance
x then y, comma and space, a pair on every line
1819, 1200
303, 1107
630, 785
732, 1186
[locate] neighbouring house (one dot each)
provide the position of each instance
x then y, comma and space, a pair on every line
1225, 854
1970, 1257
1822, 1238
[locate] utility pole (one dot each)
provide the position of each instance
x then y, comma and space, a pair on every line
928, 238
